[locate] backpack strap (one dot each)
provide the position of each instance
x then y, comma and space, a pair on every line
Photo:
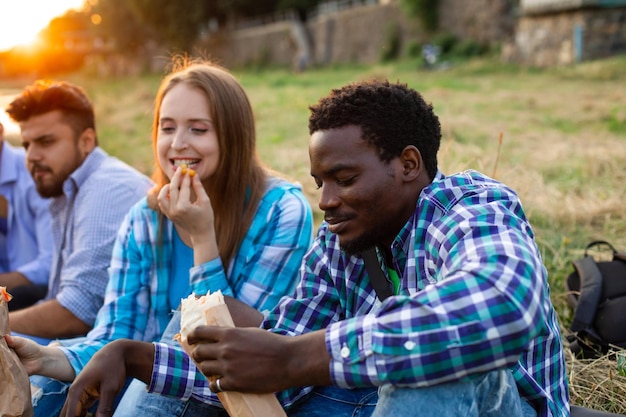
590, 293
599, 243
381, 285
619, 256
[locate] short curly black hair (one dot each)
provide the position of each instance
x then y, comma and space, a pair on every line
391, 116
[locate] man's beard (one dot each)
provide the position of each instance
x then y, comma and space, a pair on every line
49, 190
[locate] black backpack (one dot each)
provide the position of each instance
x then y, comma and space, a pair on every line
596, 292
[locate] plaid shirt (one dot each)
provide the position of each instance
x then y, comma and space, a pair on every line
473, 298
264, 269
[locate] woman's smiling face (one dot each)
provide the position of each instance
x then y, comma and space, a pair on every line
186, 134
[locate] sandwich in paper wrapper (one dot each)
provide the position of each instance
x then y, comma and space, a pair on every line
211, 310
14, 384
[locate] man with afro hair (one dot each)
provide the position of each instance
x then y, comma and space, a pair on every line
462, 325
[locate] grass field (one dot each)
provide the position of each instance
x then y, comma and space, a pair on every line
563, 136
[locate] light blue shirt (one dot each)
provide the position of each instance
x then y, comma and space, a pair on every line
27, 246
85, 221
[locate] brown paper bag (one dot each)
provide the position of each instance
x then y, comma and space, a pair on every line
239, 404
15, 398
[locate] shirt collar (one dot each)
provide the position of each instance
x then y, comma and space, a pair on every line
84, 170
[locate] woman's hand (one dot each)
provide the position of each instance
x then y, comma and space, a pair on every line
48, 361
185, 202
28, 351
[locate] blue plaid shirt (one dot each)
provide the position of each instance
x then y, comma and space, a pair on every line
264, 269
473, 298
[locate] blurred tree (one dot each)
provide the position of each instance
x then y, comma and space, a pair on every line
118, 23
63, 45
247, 8
177, 23
427, 11
301, 7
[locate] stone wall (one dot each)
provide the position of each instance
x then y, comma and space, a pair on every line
485, 21
360, 34
568, 36
355, 35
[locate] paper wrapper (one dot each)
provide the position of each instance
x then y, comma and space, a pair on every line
14, 384
238, 404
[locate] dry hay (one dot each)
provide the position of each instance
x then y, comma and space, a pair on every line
596, 383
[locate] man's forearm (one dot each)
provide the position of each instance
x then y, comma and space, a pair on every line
242, 314
13, 279
48, 319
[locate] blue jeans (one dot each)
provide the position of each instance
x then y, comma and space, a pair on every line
337, 402
50, 400
493, 394
138, 402
323, 402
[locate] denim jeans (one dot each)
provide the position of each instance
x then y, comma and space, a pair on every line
138, 402
493, 394
323, 402
336, 402
49, 401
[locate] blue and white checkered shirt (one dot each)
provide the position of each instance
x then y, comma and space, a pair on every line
85, 221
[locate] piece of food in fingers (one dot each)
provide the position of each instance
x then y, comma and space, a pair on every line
211, 310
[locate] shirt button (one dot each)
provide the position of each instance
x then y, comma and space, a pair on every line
345, 352
409, 345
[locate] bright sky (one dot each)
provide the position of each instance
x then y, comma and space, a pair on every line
21, 20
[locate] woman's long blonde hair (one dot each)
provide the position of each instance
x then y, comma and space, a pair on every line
239, 180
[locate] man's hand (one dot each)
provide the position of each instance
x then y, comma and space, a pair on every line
255, 360
105, 375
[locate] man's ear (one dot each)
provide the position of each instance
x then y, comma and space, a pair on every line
412, 163
87, 141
